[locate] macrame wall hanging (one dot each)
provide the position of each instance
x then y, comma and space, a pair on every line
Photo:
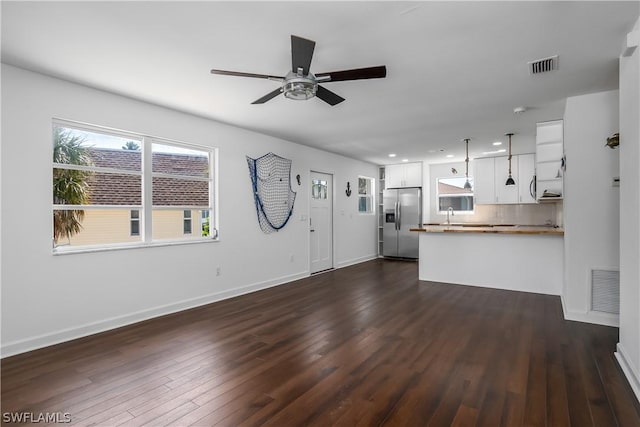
270, 178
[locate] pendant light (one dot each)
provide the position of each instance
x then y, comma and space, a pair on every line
510, 180
467, 184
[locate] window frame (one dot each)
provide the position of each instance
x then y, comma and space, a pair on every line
461, 195
370, 196
146, 207
133, 220
187, 219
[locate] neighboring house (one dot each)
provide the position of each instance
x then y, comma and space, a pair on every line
113, 225
458, 198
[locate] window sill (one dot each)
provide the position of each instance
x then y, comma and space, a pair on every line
124, 246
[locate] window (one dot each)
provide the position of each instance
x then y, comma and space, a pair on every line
319, 189
204, 223
112, 188
365, 194
135, 223
452, 194
186, 222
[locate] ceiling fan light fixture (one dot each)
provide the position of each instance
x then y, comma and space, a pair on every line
300, 89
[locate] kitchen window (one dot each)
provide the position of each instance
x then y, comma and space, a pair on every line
452, 194
116, 189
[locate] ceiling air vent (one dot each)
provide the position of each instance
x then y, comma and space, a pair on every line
543, 65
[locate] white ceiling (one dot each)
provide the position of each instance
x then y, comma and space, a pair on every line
454, 69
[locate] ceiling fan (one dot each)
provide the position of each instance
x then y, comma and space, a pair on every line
300, 83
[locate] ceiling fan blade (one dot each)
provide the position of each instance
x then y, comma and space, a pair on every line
239, 74
356, 74
268, 96
301, 54
327, 96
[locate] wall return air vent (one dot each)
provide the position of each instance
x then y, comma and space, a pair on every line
543, 65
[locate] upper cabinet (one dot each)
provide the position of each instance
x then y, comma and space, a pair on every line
549, 160
484, 181
527, 178
403, 175
490, 177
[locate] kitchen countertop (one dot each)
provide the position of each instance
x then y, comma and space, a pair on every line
490, 228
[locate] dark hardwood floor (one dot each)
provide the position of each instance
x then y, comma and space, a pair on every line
361, 346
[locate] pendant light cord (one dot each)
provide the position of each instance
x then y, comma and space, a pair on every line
510, 153
466, 160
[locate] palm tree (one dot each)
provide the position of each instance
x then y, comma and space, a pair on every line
131, 145
70, 187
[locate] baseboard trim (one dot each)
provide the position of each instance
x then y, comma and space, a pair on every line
629, 370
46, 340
596, 318
355, 261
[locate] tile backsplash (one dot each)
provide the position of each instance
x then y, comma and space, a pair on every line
529, 214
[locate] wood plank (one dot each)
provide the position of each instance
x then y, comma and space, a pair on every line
363, 345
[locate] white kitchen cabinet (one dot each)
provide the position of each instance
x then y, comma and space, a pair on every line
490, 176
484, 181
549, 160
403, 175
506, 193
526, 177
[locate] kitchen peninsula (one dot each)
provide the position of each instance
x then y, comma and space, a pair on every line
514, 257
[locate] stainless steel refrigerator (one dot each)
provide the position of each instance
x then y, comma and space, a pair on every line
402, 211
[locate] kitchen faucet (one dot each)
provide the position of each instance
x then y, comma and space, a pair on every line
449, 211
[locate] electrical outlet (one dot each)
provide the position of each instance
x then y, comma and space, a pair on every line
217, 271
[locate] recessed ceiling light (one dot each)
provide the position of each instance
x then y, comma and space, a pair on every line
449, 155
405, 160
392, 155
502, 150
497, 143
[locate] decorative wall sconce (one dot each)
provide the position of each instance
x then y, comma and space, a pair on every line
348, 190
298, 178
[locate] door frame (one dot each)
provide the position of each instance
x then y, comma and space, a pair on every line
333, 217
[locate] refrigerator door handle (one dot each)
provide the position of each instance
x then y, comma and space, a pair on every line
532, 187
398, 217
395, 216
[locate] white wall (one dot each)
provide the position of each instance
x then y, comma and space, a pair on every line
591, 203
48, 299
629, 346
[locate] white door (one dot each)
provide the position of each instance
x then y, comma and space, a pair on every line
321, 222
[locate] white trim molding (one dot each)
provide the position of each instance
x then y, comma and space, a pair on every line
37, 342
629, 369
595, 317
355, 261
